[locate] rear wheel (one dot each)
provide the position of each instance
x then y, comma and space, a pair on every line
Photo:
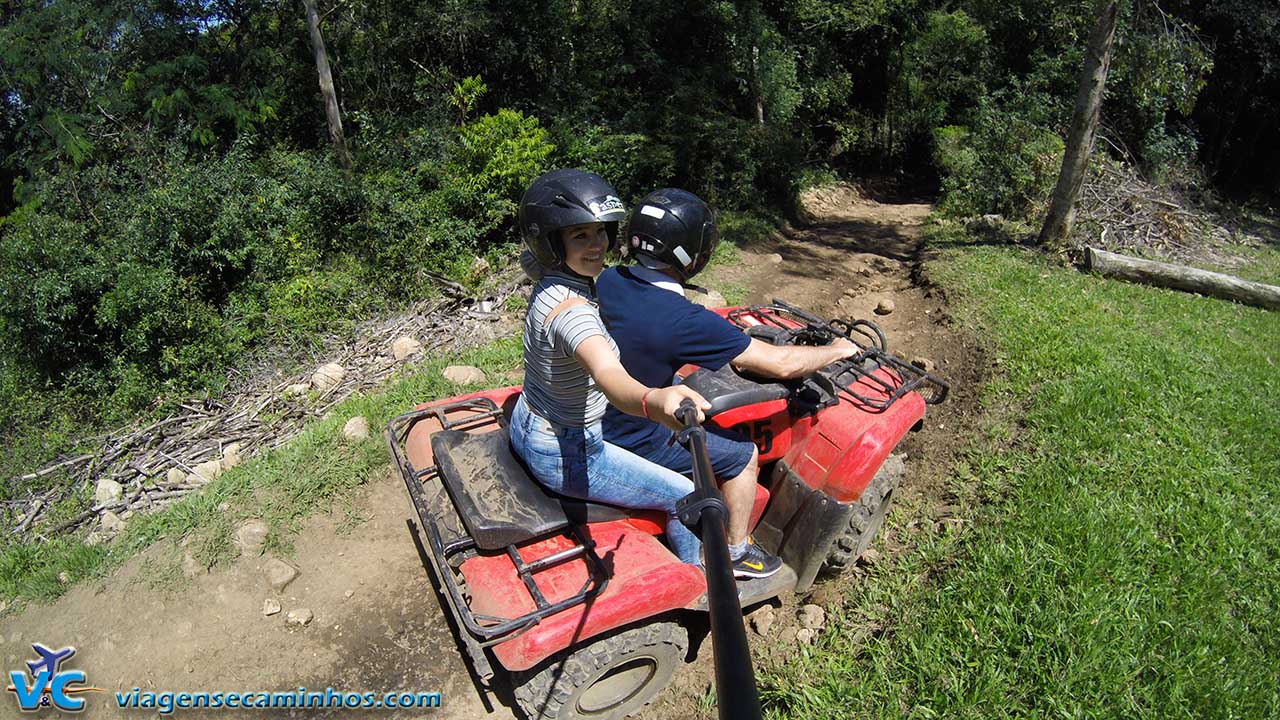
609, 678
868, 515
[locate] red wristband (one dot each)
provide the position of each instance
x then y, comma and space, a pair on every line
644, 407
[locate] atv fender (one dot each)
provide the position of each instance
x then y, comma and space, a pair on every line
646, 580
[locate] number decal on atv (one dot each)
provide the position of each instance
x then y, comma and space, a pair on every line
759, 432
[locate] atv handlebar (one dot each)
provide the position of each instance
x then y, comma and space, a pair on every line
704, 512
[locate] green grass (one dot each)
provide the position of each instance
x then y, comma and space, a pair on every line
1123, 558
313, 472
742, 229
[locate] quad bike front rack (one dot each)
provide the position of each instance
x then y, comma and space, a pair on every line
874, 379
447, 555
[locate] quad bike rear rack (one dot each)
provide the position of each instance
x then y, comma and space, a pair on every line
874, 379
482, 631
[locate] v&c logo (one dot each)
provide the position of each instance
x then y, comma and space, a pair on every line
48, 686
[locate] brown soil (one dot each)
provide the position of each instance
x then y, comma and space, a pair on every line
209, 633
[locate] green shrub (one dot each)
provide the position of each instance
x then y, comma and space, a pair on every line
498, 155
1005, 165
633, 163
944, 71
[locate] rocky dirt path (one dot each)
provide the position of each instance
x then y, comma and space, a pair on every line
377, 623
853, 256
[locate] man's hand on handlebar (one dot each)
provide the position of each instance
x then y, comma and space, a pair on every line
848, 345
663, 404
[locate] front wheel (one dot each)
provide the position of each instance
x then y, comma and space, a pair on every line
868, 515
606, 679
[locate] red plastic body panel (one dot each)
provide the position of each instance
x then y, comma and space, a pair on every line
767, 424
841, 450
646, 580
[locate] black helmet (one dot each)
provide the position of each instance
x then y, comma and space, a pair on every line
563, 198
676, 229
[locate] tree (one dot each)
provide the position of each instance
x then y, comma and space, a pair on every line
336, 135
1084, 125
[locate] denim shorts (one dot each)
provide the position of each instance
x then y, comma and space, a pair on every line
577, 462
730, 452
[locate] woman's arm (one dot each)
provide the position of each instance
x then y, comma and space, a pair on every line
628, 395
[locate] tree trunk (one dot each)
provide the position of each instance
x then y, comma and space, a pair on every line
336, 135
755, 84
1084, 124
1181, 277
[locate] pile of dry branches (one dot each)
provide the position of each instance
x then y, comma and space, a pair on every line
1121, 212
159, 463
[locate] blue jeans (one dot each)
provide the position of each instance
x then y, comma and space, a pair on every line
577, 462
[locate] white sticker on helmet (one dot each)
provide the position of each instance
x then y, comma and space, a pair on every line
653, 211
605, 206
682, 256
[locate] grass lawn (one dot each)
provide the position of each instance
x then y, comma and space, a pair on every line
1123, 554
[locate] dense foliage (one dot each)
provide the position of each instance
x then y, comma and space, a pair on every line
169, 200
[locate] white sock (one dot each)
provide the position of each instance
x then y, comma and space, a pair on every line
737, 550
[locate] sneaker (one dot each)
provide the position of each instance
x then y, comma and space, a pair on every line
756, 563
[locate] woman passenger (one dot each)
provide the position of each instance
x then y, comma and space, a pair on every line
569, 220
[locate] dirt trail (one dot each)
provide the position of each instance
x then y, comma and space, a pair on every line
210, 633
378, 625
851, 254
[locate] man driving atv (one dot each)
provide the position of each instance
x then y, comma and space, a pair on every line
671, 236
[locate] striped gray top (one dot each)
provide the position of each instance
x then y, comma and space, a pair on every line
555, 385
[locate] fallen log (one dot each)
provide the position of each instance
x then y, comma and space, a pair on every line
1181, 277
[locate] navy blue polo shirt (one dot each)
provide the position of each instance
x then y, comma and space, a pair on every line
658, 332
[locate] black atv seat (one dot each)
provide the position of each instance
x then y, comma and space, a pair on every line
725, 389
498, 501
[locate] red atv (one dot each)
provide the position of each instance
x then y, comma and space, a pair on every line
582, 603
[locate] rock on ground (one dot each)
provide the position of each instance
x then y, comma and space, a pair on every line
762, 619
300, 616
788, 636
230, 456
270, 606
812, 617
357, 428
251, 536
328, 376
463, 375
297, 389
923, 363
175, 476
710, 298
885, 306
111, 522
204, 472
805, 636
279, 573
405, 347
107, 492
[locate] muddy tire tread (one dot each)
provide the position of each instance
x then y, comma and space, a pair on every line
544, 694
